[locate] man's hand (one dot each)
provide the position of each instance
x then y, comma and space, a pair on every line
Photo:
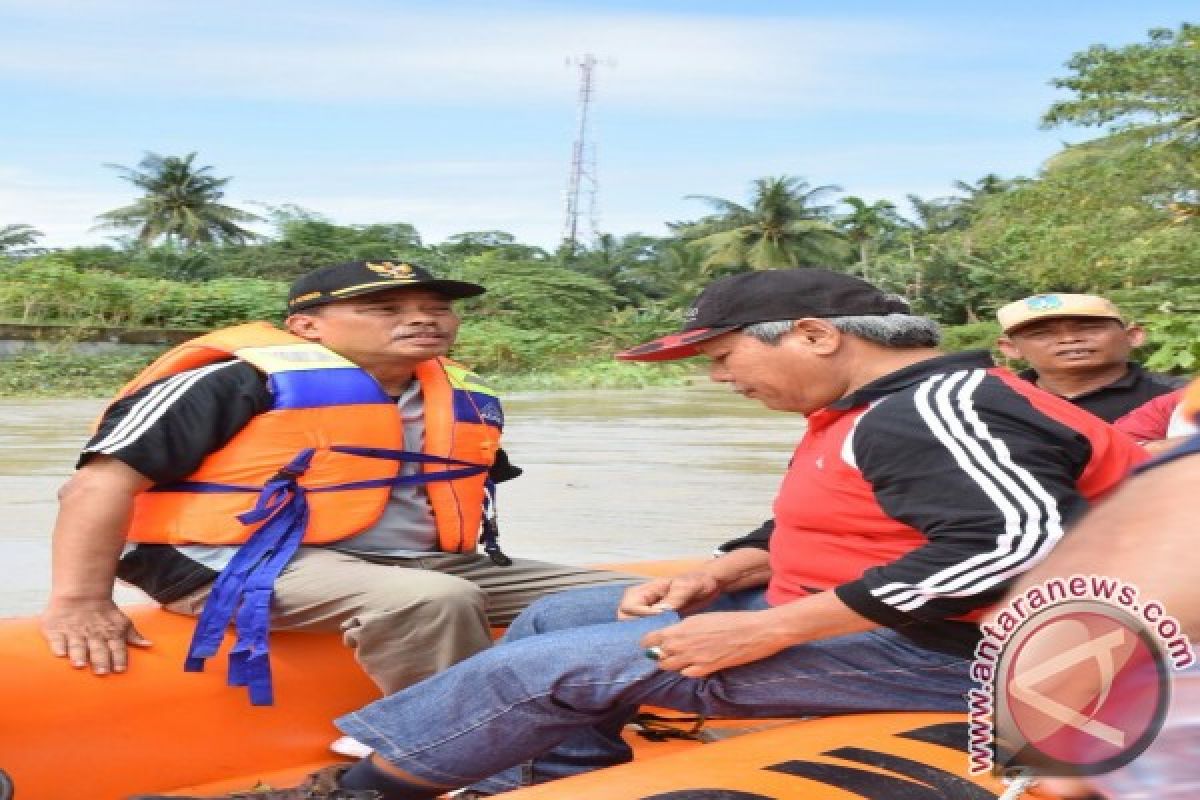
682, 593
706, 643
94, 633
81, 622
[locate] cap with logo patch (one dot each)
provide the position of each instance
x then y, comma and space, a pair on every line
356, 278
1052, 306
767, 296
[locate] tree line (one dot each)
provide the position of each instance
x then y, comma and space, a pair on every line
1118, 214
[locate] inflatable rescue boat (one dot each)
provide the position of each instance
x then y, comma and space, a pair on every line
66, 734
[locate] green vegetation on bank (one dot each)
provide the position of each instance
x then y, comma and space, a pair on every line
1117, 215
58, 372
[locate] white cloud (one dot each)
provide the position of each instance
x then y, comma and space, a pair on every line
694, 103
439, 199
436, 217
705, 64
443, 197
64, 213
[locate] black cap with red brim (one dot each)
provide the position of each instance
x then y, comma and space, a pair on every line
732, 303
672, 346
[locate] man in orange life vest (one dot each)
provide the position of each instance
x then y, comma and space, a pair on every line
332, 477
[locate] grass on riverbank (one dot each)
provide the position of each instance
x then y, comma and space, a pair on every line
60, 372
608, 374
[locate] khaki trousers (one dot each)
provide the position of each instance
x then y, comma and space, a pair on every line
407, 618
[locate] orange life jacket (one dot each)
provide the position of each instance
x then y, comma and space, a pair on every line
322, 401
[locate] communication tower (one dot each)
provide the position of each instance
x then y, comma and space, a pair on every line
582, 179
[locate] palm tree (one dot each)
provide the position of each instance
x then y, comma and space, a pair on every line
681, 269
866, 224
14, 236
782, 227
978, 192
954, 213
181, 203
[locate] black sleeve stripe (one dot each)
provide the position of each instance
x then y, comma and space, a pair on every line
1032, 520
151, 407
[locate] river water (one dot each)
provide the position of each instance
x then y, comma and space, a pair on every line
609, 476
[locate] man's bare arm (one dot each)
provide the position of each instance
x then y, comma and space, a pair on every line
81, 622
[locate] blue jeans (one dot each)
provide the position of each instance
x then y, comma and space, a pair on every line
550, 700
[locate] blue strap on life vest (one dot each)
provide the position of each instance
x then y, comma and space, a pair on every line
246, 585
243, 591
466, 469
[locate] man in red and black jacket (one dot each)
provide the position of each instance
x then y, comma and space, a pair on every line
918, 497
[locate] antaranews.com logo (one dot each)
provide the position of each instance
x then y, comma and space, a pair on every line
1074, 678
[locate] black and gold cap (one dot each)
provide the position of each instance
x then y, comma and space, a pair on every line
355, 278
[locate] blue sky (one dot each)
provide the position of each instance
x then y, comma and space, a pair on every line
460, 116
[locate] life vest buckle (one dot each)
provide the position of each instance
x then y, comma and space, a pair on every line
294, 469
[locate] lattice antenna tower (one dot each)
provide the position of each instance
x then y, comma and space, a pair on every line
582, 182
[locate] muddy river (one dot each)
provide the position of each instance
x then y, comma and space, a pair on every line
609, 476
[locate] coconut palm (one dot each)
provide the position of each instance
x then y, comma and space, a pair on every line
181, 203
866, 224
978, 192
783, 226
18, 235
682, 270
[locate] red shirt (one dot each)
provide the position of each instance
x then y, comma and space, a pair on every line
1149, 421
